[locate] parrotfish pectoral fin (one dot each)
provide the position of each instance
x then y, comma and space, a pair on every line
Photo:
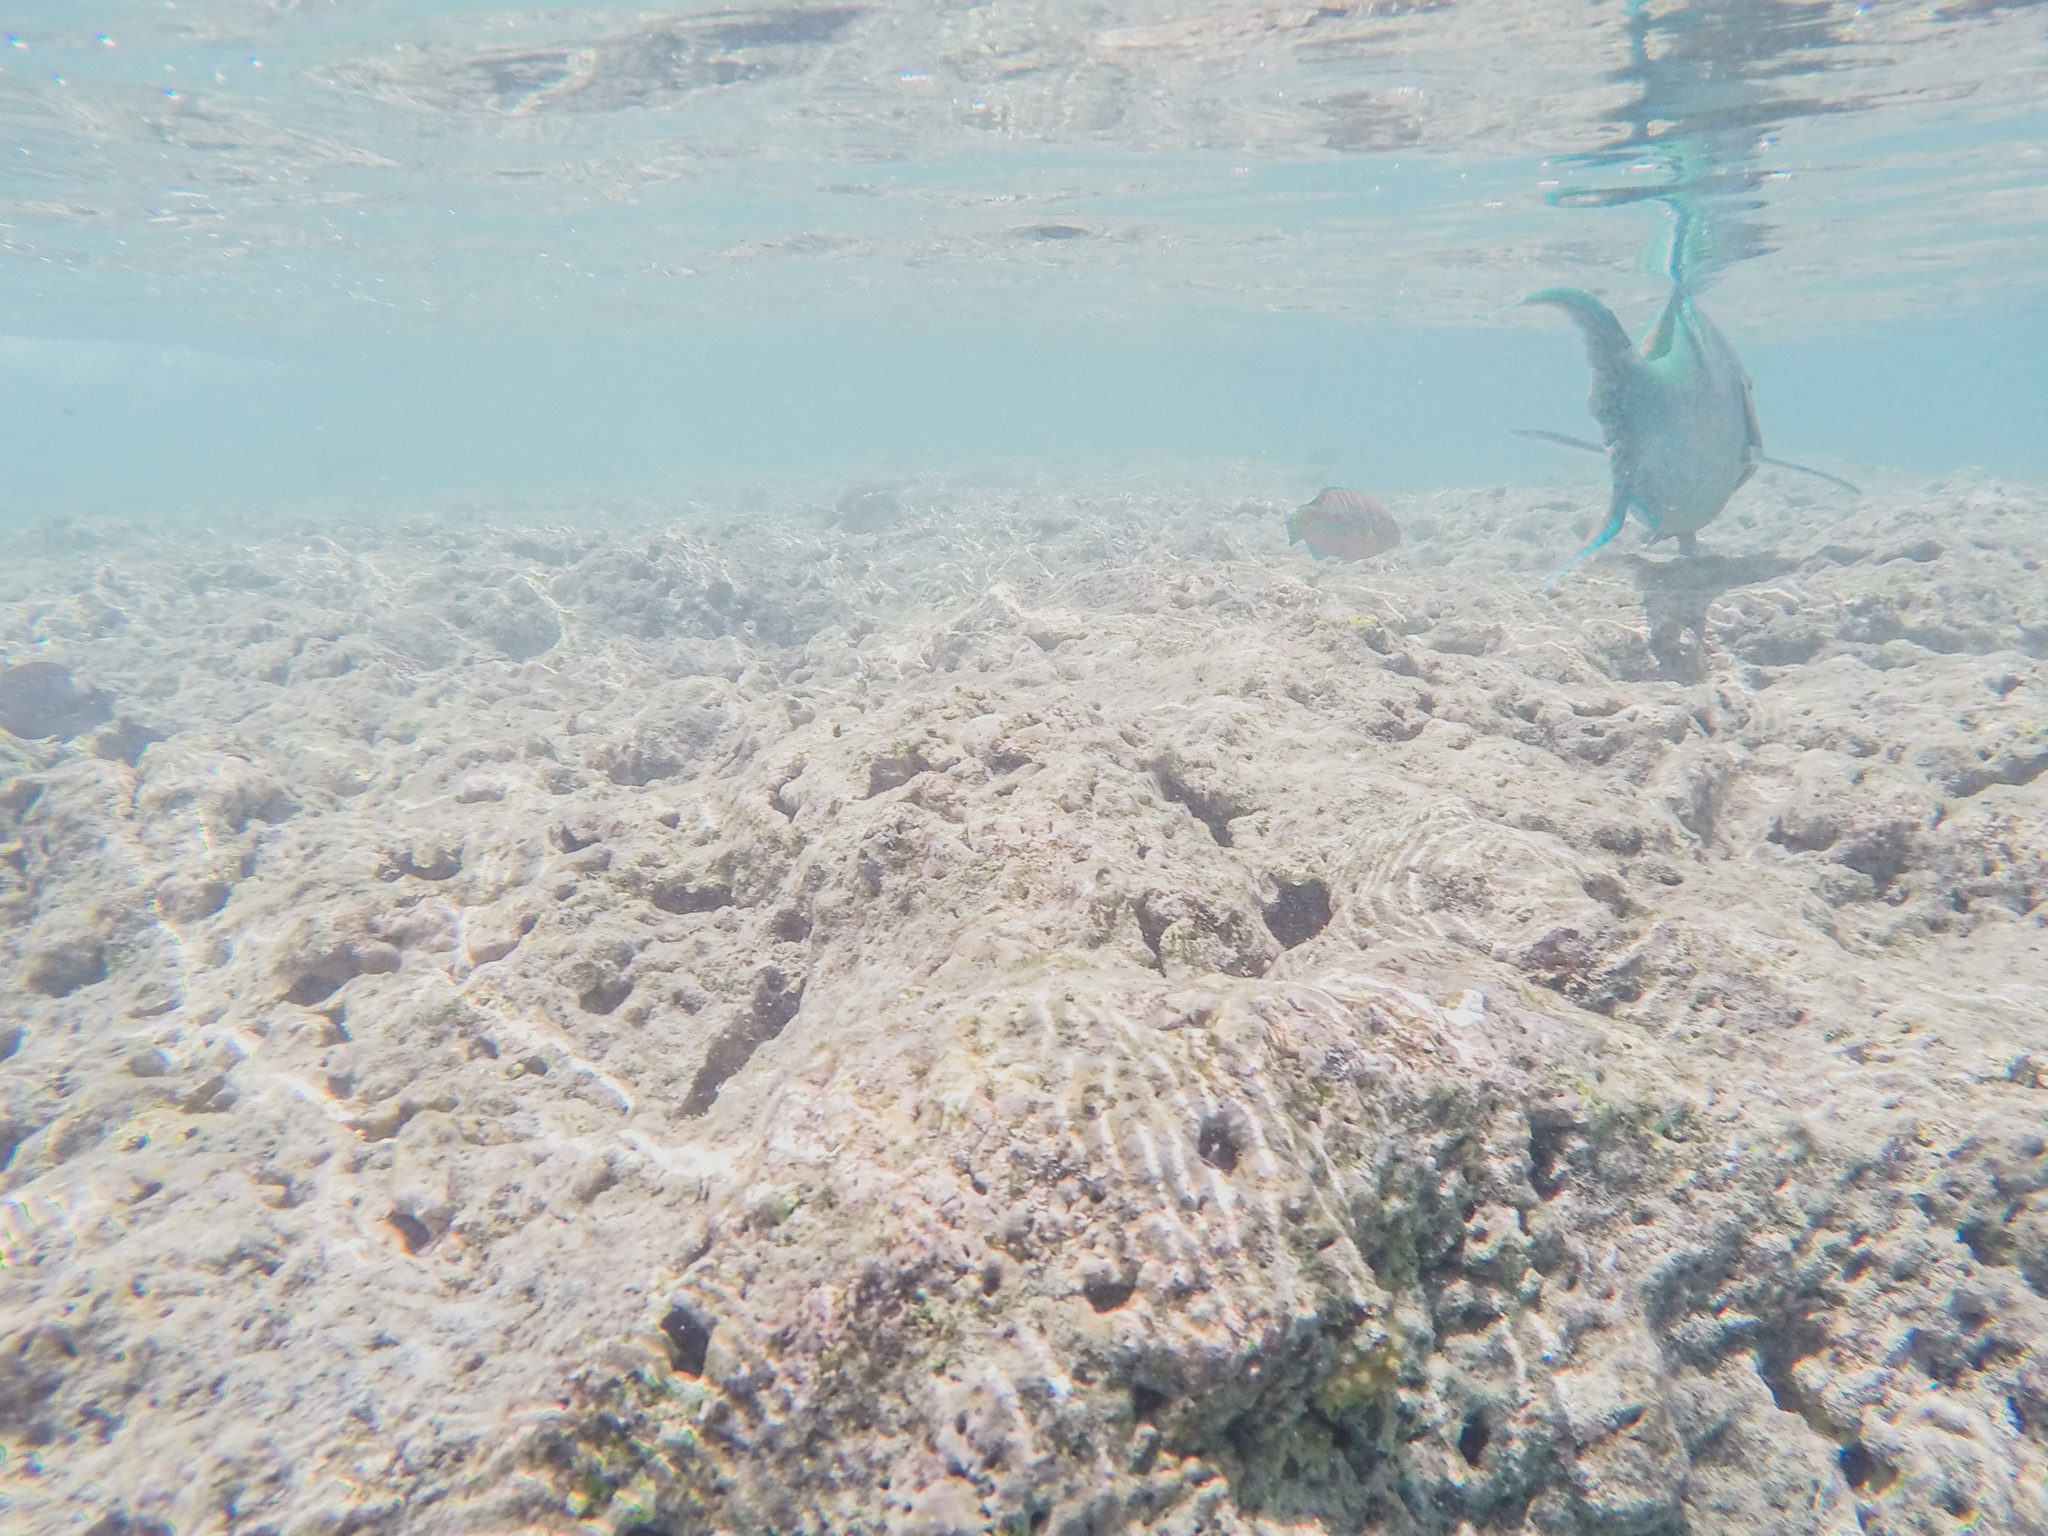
1608, 348
1808, 469
1616, 516
1562, 439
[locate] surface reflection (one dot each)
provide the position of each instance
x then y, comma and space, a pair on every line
1712, 93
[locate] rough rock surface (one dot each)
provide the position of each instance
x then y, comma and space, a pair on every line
1044, 1014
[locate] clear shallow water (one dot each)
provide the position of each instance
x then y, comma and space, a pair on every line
262, 252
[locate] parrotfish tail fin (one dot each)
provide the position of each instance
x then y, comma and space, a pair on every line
1608, 348
1616, 515
1562, 439
1808, 469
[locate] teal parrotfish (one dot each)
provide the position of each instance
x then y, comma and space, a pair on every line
1677, 422
1347, 525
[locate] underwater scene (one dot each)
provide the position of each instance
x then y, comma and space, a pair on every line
1024, 768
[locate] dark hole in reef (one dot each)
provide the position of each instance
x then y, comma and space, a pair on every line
1216, 1141
120, 1523
411, 1230
1039, 1517
566, 839
689, 1339
1152, 923
683, 898
62, 970
1146, 1402
441, 864
775, 1003
1546, 1161
1106, 1293
317, 988
791, 926
1299, 912
1212, 810
894, 771
1473, 1437
991, 1278
602, 997
125, 741
1862, 1469
1988, 1242
1356, 1435
642, 1528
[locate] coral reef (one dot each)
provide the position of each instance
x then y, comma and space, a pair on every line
1030, 1013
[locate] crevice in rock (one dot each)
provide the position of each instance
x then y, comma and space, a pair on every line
61, 969
1864, 1470
895, 770
1214, 811
604, 996
1988, 1242
775, 1003
440, 864
1473, 1437
1547, 1167
1299, 912
568, 840
1219, 1141
1779, 1348
1105, 1293
689, 1339
675, 896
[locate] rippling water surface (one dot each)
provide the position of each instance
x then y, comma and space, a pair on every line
294, 250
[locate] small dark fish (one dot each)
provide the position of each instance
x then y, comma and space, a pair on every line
1343, 525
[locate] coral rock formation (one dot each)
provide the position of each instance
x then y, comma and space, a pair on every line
1036, 1016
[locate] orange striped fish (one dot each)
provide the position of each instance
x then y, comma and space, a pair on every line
1343, 525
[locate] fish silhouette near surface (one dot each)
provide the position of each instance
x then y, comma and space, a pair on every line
1343, 525
1676, 416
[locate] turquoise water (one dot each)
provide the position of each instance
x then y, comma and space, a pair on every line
259, 254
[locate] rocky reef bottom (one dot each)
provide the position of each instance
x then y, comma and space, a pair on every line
1031, 1013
